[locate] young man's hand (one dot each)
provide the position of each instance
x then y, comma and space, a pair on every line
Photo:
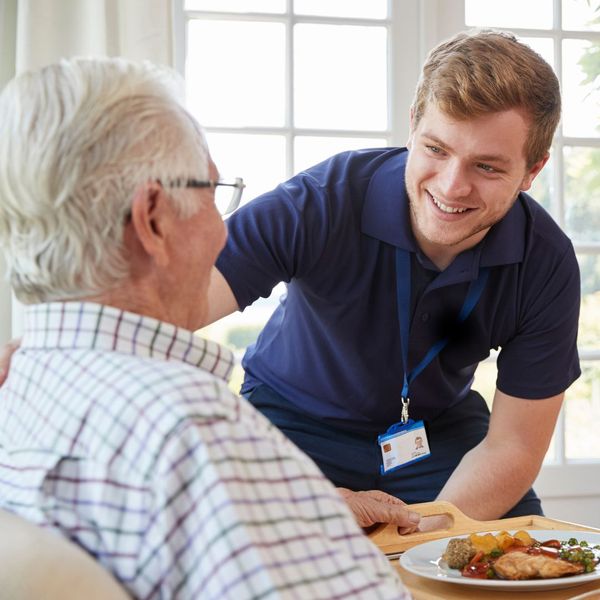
374, 506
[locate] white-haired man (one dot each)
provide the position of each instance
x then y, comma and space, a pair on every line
116, 424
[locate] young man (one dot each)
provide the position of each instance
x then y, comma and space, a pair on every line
404, 268
117, 428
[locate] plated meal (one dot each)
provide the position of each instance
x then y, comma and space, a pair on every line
522, 569
519, 556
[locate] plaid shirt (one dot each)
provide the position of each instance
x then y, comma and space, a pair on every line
119, 431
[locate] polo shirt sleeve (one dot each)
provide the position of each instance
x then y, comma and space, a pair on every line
276, 237
541, 360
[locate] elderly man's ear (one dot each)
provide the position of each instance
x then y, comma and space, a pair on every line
152, 222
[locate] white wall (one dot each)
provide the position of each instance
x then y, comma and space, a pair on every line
575, 509
8, 19
571, 492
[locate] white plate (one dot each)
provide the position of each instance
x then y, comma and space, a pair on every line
425, 560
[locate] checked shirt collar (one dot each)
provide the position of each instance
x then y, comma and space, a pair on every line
90, 326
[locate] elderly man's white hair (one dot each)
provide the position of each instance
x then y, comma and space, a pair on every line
76, 139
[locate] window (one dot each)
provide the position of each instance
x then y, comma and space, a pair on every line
281, 84
279, 88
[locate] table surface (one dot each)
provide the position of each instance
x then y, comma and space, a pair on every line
426, 589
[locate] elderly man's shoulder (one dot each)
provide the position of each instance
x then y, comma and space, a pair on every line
170, 408
129, 410
155, 384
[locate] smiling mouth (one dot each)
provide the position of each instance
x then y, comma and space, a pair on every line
445, 208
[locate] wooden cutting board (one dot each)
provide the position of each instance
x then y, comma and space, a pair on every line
391, 542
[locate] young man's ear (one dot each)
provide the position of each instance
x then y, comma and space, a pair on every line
151, 213
533, 172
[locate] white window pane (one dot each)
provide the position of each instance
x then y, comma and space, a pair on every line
340, 77
580, 15
373, 9
582, 193
552, 452
259, 159
235, 73
531, 14
589, 324
485, 380
243, 6
581, 99
240, 329
542, 189
582, 406
543, 46
582, 412
309, 150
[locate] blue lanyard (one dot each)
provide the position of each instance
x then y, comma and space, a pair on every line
403, 292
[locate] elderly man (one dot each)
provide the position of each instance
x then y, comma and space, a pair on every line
117, 428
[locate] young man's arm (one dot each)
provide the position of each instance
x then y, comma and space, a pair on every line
495, 475
221, 301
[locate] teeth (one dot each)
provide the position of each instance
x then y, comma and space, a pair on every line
447, 209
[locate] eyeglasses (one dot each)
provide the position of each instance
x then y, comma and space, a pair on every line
228, 192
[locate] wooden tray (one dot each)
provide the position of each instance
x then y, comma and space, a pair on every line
391, 542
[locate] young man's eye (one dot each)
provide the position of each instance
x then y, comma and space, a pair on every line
486, 168
434, 149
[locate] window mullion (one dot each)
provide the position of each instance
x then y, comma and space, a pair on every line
180, 22
289, 94
559, 195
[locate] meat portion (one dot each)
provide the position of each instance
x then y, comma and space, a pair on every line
519, 565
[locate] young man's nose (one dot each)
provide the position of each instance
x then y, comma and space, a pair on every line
455, 181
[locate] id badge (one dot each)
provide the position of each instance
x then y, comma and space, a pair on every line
402, 445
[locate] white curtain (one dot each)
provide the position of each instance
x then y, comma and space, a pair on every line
34, 33
50, 29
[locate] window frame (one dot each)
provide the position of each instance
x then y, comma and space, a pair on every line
414, 27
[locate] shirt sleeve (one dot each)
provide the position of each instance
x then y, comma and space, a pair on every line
276, 237
241, 513
542, 360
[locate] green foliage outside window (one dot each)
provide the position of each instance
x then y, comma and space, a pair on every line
240, 337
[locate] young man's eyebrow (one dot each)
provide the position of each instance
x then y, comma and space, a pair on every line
497, 158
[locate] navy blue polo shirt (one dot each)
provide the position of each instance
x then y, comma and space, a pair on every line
332, 347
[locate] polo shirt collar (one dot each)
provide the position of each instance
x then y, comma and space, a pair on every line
385, 214
386, 217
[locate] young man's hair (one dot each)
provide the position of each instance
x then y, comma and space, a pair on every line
481, 72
